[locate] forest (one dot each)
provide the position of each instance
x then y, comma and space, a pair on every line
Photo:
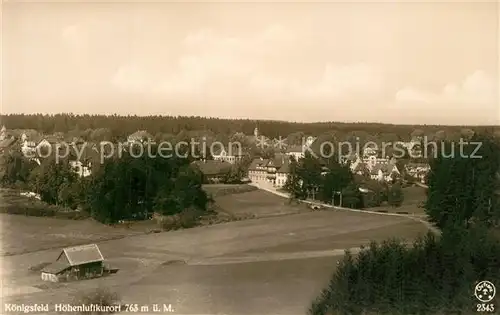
437, 273
121, 126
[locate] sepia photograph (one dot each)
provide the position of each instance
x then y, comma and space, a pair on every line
250, 157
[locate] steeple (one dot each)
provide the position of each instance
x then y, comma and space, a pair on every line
3, 133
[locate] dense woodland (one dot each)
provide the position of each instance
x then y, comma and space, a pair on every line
121, 126
437, 273
124, 188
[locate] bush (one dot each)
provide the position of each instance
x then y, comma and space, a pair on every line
72, 215
41, 210
36, 211
99, 296
169, 223
188, 218
371, 199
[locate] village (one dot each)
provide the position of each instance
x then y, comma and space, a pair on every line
269, 170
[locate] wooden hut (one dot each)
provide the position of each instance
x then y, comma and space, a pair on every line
74, 263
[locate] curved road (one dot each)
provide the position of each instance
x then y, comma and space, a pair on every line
409, 216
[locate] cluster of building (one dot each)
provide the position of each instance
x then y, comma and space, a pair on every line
418, 171
32, 144
273, 171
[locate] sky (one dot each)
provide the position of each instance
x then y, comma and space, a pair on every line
408, 63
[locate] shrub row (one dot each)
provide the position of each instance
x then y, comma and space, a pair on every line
44, 211
188, 218
231, 190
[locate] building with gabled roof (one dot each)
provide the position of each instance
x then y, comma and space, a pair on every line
297, 151
282, 174
384, 172
270, 171
5, 144
232, 154
213, 171
73, 263
140, 136
257, 171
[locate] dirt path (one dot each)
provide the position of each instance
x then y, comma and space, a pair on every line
418, 218
250, 258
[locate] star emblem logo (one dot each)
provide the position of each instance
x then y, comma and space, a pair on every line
280, 143
262, 142
485, 291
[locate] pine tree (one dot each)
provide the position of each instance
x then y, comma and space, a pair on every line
395, 196
293, 183
461, 188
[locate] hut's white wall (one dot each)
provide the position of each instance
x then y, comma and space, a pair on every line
49, 277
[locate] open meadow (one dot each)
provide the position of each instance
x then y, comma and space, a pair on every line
414, 197
217, 190
22, 234
274, 263
25, 233
257, 203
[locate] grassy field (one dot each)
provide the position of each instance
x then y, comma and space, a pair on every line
279, 264
268, 265
217, 190
413, 196
25, 233
257, 203
22, 234
49, 227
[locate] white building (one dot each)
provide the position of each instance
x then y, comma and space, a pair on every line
139, 136
28, 145
273, 171
257, 172
384, 172
296, 151
299, 151
369, 151
232, 155
80, 169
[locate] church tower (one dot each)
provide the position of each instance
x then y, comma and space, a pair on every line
3, 133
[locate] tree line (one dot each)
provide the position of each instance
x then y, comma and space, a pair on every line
114, 126
122, 188
436, 274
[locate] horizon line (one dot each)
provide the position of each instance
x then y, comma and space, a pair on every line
247, 119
